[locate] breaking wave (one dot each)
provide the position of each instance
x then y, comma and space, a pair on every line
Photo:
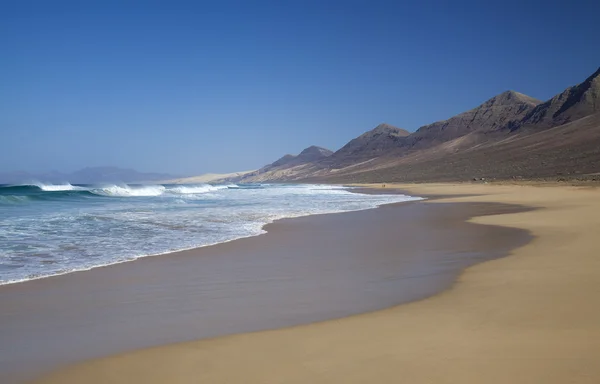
49, 229
39, 191
58, 187
186, 190
127, 191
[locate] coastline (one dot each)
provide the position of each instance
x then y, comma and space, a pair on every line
185, 249
527, 318
302, 270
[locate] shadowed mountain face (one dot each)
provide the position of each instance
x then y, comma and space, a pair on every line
310, 154
286, 159
381, 140
509, 136
567, 152
496, 114
573, 103
287, 166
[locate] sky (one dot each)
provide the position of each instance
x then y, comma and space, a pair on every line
188, 87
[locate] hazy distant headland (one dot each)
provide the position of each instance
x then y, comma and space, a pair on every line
511, 136
86, 175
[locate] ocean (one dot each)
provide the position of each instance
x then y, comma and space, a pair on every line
49, 230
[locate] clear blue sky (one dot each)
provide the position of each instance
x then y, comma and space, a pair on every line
192, 87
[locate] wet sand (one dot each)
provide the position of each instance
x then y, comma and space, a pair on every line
531, 317
302, 271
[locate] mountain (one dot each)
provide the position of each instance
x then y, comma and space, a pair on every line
207, 178
567, 152
310, 154
509, 136
89, 175
496, 114
288, 166
285, 159
382, 139
573, 103
385, 143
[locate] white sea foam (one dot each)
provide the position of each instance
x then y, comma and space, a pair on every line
196, 189
58, 187
127, 191
70, 234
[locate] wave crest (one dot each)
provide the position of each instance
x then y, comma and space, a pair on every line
58, 187
193, 189
127, 191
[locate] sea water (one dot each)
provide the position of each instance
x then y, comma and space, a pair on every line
47, 230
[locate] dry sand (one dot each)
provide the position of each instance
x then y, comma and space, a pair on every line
303, 270
532, 317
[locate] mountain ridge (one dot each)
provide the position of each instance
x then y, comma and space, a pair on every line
509, 120
573, 103
384, 137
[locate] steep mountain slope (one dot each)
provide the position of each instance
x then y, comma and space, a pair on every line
312, 153
494, 115
570, 151
287, 167
509, 136
573, 103
282, 161
382, 139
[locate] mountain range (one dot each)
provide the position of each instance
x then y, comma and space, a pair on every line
510, 136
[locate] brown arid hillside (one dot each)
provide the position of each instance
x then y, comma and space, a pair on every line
510, 136
572, 104
288, 166
494, 115
379, 141
566, 152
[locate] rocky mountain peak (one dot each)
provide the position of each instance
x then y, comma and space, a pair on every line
385, 128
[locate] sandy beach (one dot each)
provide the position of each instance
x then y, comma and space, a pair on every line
301, 271
531, 317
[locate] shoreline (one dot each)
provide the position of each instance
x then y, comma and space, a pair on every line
526, 318
270, 281
263, 231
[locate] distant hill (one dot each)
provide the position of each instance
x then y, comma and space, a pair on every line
379, 141
310, 154
510, 136
287, 166
89, 175
207, 178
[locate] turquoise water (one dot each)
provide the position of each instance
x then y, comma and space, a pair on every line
53, 229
